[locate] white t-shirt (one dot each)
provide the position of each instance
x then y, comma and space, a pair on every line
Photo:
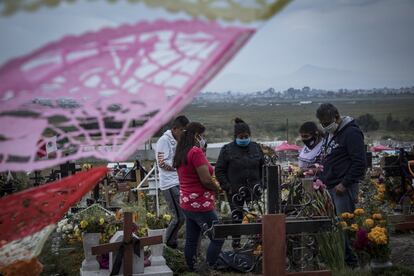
308, 157
164, 154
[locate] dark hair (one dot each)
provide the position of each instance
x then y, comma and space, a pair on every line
240, 126
186, 142
327, 110
311, 128
180, 122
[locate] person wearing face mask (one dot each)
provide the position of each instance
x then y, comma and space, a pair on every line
197, 193
312, 138
239, 167
344, 163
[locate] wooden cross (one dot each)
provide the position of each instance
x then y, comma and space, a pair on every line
129, 242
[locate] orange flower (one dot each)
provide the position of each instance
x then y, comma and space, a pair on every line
369, 223
359, 211
377, 216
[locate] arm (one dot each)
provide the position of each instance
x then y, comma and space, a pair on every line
164, 158
356, 150
206, 179
221, 169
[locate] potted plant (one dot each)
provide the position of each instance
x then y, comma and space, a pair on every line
157, 226
91, 228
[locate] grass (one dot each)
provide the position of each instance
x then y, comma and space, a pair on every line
269, 122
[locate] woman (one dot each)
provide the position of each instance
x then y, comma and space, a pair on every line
312, 139
239, 170
197, 192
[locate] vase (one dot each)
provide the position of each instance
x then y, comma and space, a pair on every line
89, 240
379, 265
157, 249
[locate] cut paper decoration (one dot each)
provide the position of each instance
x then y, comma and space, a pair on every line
242, 10
115, 87
28, 217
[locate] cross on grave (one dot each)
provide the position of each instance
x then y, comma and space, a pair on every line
128, 245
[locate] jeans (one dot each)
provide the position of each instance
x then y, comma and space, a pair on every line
346, 203
172, 197
195, 224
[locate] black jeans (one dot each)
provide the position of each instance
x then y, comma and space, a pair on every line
195, 224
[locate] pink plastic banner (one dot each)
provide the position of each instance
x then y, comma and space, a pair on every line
103, 94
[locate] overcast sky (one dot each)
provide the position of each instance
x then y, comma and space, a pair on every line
321, 43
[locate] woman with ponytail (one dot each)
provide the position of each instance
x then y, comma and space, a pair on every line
239, 170
197, 192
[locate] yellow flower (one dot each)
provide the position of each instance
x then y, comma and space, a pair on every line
377, 216
347, 215
354, 227
343, 224
83, 224
369, 223
150, 215
359, 211
101, 221
378, 235
167, 217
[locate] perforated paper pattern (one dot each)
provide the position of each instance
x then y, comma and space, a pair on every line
243, 10
103, 94
27, 212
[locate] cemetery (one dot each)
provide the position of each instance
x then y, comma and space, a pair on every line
86, 87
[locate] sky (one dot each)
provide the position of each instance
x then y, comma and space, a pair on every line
327, 44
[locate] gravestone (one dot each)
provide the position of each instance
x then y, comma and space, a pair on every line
137, 263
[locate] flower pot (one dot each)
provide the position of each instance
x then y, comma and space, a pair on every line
157, 249
379, 265
89, 240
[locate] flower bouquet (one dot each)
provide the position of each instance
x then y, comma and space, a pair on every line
368, 233
157, 222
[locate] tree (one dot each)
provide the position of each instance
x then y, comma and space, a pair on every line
367, 122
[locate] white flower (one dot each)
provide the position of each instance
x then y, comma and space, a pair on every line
58, 230
185, 199
206, 194
206, 204
69, 226
195, 205
194, 196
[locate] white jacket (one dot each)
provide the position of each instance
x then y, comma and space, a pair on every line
164, 155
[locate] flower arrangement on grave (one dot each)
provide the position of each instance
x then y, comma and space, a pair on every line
368, 232
157, 222
69, 230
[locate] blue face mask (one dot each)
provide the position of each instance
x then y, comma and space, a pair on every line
243, 142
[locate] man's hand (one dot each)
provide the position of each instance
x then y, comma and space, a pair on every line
340, 189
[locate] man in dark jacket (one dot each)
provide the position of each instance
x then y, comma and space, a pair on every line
239, 171
344, 161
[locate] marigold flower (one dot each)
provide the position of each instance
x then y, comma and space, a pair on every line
343, 224
369, 223
354, 227
359, 211
378, 235
83, 224
377, 216
347, 215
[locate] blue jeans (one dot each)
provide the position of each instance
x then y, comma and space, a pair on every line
346, 203
195, 224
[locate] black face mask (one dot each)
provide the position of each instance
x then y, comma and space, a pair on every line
310, 143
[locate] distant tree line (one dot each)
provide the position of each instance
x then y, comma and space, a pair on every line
367, 122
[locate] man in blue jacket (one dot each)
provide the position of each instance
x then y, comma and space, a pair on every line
344, 161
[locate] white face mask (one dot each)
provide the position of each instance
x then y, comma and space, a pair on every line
331, 128
202, 142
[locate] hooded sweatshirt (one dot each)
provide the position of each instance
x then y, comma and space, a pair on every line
343, 155
165, 152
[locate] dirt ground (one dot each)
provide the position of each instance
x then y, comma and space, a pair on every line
402, 249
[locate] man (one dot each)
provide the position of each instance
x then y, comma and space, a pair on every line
344, 160
169, 183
